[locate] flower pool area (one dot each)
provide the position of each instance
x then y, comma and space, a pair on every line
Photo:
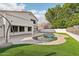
45, 37
49, 39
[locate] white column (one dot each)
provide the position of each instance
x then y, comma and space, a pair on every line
4, 21
8, 34
32, 30
6, 26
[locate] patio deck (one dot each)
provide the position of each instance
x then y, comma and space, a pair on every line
27, 39
20, 38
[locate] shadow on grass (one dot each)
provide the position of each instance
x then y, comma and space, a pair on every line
13, 46
53, 53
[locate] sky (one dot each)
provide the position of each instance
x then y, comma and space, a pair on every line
38, 9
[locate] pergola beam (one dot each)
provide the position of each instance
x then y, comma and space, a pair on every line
6, 33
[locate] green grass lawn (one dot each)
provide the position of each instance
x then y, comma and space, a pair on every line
70, 48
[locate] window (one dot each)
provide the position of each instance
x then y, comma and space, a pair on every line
34, 22
14, 29
21, 28
0, 26
29, 28
17, 29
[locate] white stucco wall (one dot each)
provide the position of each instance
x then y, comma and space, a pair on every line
53, 30
1, 28
60, 30
1, 32
19, 21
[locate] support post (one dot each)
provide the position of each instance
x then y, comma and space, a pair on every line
32, 31
6, 29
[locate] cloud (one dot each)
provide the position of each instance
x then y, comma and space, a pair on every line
12, 6
40, 15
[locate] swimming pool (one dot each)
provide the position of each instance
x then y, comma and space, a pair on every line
46, 37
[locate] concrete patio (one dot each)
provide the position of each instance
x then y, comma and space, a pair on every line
18, 38
27, 39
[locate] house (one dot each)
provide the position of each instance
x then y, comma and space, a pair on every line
44, 26
17, 23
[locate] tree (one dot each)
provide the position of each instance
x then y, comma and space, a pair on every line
63, 17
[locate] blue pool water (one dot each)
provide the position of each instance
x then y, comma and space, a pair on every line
49, 35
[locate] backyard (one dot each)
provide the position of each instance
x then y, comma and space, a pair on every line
69, 48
